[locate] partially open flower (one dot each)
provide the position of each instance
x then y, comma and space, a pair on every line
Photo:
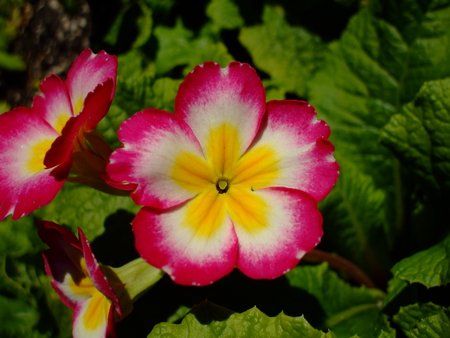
99, 295
227, 180
37, 145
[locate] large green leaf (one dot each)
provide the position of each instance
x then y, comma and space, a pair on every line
81, 206
251, 323
377, 65
419, 134
423, 320
429, 267
288, 54
348, 310
16, 317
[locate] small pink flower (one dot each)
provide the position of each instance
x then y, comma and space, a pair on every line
99, 295
228, 180
37, 145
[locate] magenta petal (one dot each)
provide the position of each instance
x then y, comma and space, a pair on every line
211, 96
300, 140
25, 188
164, 243
62, 259
87, 72
295, 228
54, 104
95, 108
152, 140
96, 274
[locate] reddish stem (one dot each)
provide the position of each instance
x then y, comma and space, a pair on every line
341, 264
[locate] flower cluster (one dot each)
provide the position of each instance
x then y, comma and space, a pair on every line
229, 180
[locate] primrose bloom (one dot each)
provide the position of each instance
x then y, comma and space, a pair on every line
99, 295
228, 180
39, 146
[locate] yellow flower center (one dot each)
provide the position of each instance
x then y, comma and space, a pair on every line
37, 155
224, 182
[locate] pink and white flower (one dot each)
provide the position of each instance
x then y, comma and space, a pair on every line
99, 295
37, 145
228, 180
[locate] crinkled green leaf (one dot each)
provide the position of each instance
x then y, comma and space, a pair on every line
419, 134
378, 64
16, 317
288, 54
333, 293
224, 14
423, 321
252, 323
81, 206
355, 221
178, 47
348, 310
429, 267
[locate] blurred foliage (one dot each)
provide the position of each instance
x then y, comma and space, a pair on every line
376, 71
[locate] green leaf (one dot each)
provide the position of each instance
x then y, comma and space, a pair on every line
144, 23
419, 134
356, 223
224, 14
288, 54
252, 323
177, 47
378, 64
348, 310
429, 267
423, 320
16, 317
333, 293
84, 207
133, 23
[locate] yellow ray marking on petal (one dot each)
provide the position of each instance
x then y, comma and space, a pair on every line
206, 212
97, 311
191, 172
82, 286
61, 122
37, 155
247, 209
258, 168
79, 102
223, 149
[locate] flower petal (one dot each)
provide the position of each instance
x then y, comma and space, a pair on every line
53, 105
72, 137
87, 72
293, 227
212, 96
194, 243
96, 274
94, 318
156, 148
302, 155
62, 260
25, 183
